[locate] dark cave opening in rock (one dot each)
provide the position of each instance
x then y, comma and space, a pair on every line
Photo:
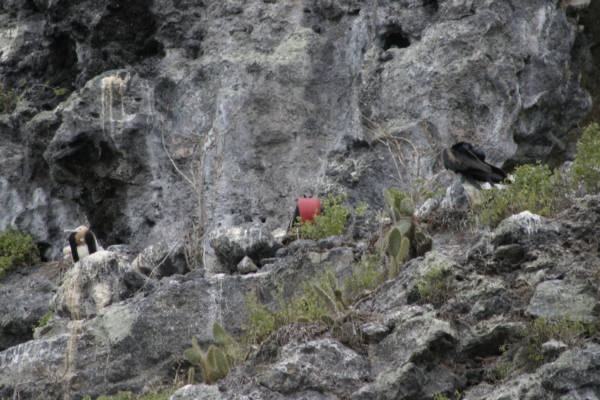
590, 39
62, 62
431, 6
393, 36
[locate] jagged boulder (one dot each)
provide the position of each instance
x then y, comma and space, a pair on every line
197, 392
325, 365
418, 342
158, 261
231, 245
25, 297
571, 376
142, 336
560, 299
92, 284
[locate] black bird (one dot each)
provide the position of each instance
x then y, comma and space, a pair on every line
464, 158
82, 243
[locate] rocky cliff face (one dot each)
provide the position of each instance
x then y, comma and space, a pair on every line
139, 118
168, 122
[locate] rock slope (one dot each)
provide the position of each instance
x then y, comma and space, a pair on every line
485, 331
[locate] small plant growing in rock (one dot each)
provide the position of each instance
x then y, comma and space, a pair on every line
330, 222
216, 362
433, 288
542, 330
17, 249
45, 319
367, 274
442, 396
8, 100
261, 320
319, 300
118, 396
586, 167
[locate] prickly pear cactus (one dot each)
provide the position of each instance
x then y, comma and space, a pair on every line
399, 205
402, 241
216, 362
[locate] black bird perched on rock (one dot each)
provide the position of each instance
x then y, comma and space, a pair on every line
82, 243
464, 158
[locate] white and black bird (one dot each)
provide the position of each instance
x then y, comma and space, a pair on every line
82, 243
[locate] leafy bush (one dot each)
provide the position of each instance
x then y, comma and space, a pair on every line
330, 222
586, 167
16, 249
535, 188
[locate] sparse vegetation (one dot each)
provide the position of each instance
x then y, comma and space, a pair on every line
162, 395
17, 249
217, 360
45, 319
367, 274
434, 288
535, 188
8, 100
319, 300
440, 396
542, 330
501, 369
543, 191
330, 222
586, 167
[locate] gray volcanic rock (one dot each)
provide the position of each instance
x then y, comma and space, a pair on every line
90, 285
25, 297
138, 336
324, 364
234, 244
557, 299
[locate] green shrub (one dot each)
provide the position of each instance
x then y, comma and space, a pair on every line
535, 188
442, 396
8, 100
17, 249
118, 396
330, 222
586, 167
319, 299
367, 274
433, 288
45, 319
261, 321
541, 330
